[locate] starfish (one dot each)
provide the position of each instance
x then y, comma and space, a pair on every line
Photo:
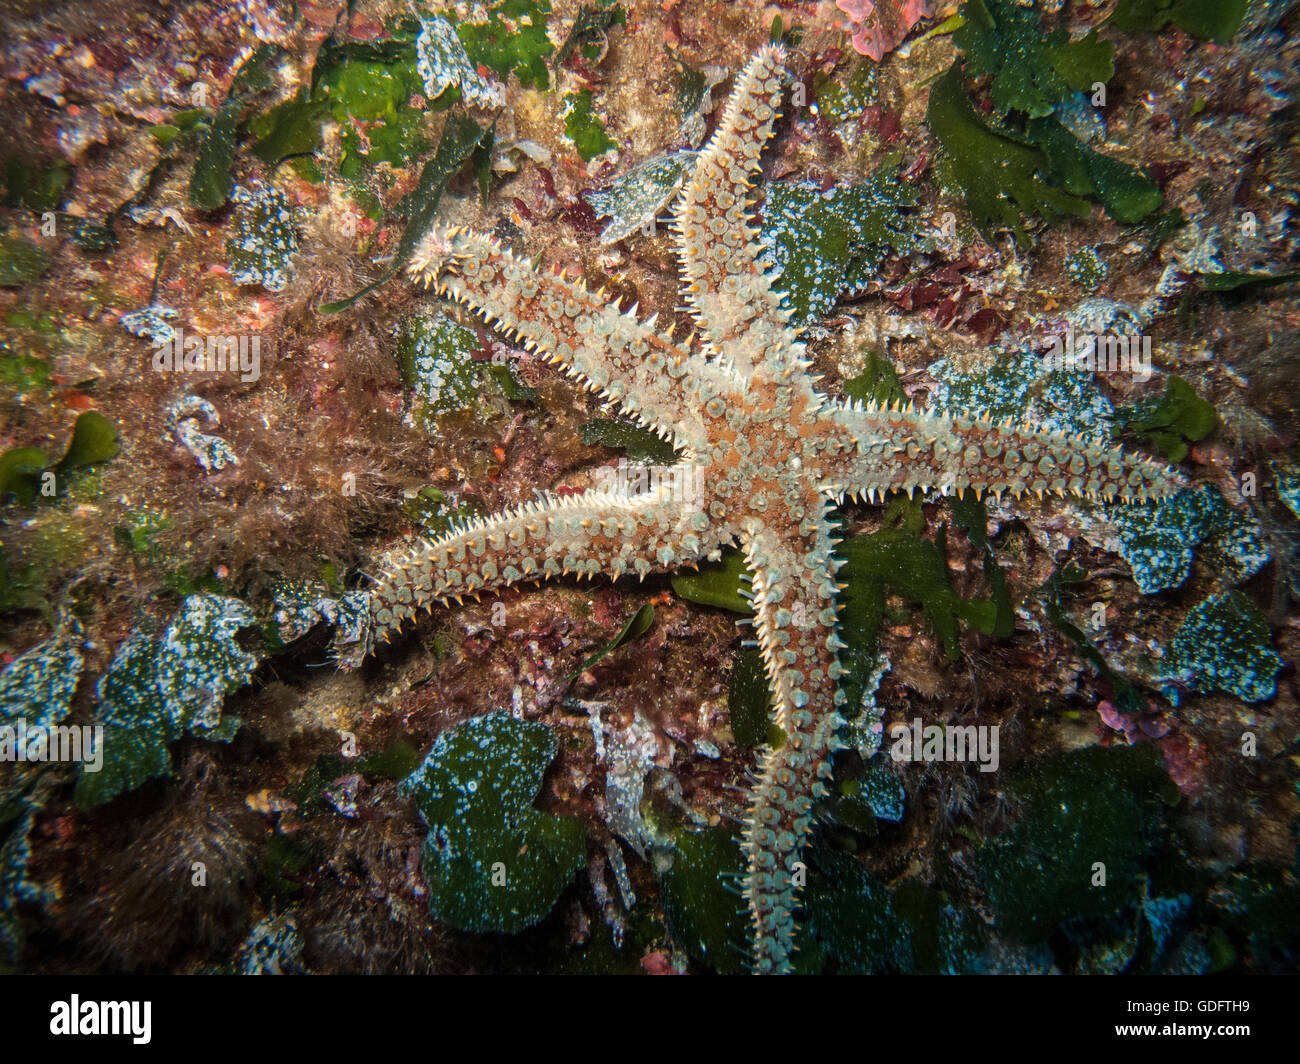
772, 457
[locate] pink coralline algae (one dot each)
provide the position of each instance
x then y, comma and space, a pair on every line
880, 28
1135, 726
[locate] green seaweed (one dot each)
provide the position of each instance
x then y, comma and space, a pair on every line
584, 127
640, 443
493, 862
1225, 642
460, 137
23, 469
703, 913
877, 383
157, 689
1126, 696
94, 440
511, 38
1000, 174
637, 625
288, 129
1157, 538
1031, 72
827, 244
1216, 20
21, 262
852, 916
211, 182
1170, 422
1127, 194
1099, 805
20, 473
749, 701
916, 569
717, 583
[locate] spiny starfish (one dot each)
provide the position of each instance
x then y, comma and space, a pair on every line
771, 455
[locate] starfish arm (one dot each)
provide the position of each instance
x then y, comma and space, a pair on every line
794, 600
729, 285
880, 449
592, 534
650, 375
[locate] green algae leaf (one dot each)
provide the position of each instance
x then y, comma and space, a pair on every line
706, 918
210, 184
38, 685
156, 689
1031, 72
460, 137
512, 37
493, 862
717, 583
637, 625
94, 440
36, 190
1021, 386
1169, 422
290, 128
20, 262
20, 471
264, 238
1126, 192
584, 127
1260, 903
1231, 282
137, 728
1157, 539
749, 700
828, 244
877, 383
916, 569
971, 516
211, 181
1227, 644
634, 200
998, 173
511, 386
639, 442
853, 917
434, 356
1216, 20
1099, 804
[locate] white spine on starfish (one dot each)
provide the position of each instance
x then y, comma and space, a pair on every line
597, 533
651, 376
729, 284
901, 448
